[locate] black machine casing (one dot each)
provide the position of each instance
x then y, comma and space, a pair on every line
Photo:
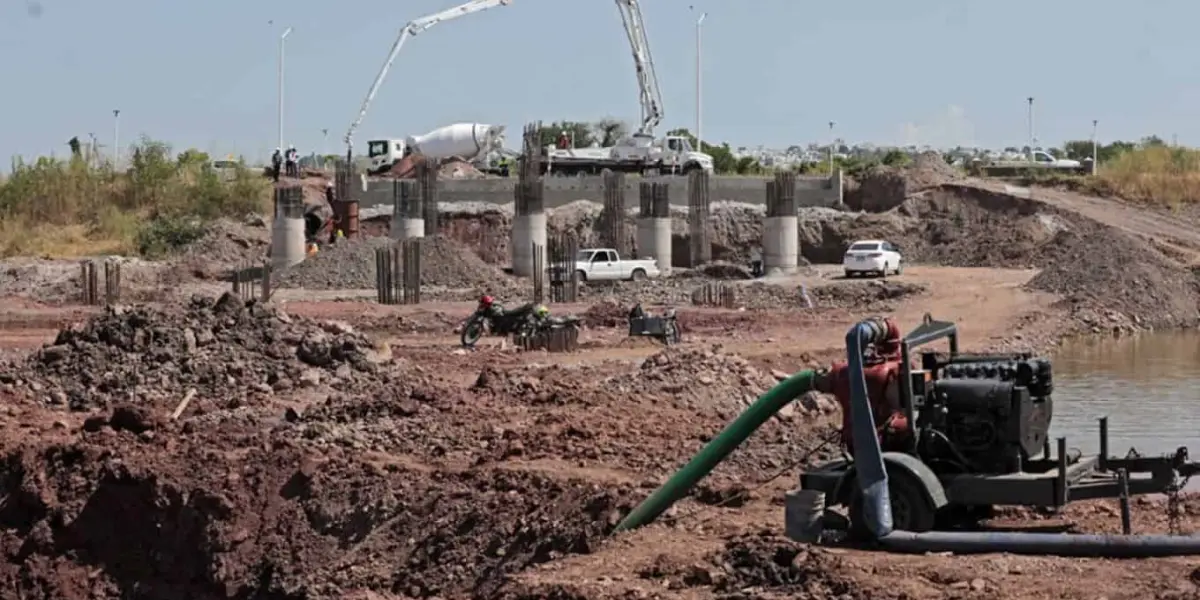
986, 416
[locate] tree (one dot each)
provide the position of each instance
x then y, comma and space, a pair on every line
609, 131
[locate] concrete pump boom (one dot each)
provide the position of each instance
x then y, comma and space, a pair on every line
412, 28
650, 94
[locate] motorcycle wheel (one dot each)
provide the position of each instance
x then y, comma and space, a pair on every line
472, 332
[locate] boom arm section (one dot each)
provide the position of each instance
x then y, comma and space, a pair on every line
650, 94
413, 28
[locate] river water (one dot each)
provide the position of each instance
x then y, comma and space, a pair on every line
1148, 386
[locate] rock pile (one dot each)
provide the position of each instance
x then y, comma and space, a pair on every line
350, 265
225, 349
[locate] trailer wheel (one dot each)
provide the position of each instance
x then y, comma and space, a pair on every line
911, 510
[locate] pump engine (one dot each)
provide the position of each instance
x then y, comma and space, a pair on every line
981, 414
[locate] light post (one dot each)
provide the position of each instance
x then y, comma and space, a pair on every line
699, 109
324, 146
1029, 118
282, 40
116, 138
831, 143
1095, 146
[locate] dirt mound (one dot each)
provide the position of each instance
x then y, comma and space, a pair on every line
864, 294
351, 265
706, 379
768, 563
883, 188
108, 515
228, 351
1112, 281
228, 244
606, 314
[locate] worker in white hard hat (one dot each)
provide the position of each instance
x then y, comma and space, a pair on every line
564, 141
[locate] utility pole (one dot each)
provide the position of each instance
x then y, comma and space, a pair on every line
831, 143
1095, 145
1032, 138
699, 109
282, 40
116, 138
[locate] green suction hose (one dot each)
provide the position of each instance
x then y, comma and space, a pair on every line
720, 447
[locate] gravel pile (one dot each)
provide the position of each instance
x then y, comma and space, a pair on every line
351, 265
1123, 284
227, 350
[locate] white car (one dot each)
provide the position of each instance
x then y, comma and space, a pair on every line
873, 257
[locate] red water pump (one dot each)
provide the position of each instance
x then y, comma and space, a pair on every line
882, 370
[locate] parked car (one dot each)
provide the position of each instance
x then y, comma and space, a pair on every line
604, 264
872, 257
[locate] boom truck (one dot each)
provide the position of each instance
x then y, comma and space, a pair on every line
640, 152
487, 139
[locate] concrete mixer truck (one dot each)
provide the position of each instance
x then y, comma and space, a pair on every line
476, 143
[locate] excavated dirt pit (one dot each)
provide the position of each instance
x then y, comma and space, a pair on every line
314, 461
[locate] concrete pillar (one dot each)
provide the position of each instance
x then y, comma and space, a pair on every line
781, 229
527, 231
408, 220
287, 230
654, 224
781, 245
529, 228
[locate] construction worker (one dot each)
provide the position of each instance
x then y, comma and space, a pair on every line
290, 160
564, 141
276, 164
756, 262
329, 193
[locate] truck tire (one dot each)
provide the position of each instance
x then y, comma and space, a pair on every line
581, 276
638, 275
692, 166
911, 510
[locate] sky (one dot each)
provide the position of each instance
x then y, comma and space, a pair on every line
774, 72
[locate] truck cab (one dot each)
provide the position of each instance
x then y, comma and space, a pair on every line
1043, 158
383, 154
673, 152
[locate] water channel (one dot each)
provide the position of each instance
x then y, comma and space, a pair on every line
1148, 386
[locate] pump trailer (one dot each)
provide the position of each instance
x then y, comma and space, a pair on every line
979, 437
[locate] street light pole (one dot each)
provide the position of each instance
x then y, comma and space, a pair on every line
116, 138
1095, 145
1032, 139
831, 142
282, 40
699, 130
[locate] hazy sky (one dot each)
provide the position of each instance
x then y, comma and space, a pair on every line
940, 72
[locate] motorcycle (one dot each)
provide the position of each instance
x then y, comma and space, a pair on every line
519, 322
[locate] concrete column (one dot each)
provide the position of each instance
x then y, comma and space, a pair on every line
287, 230
408, 220
654, 241
654, 224
408, 228
781, 245
529, 228
781, 228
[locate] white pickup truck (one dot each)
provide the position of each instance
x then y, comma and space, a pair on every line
604, 264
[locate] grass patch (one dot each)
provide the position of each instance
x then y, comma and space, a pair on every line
1161, 176
68, 208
